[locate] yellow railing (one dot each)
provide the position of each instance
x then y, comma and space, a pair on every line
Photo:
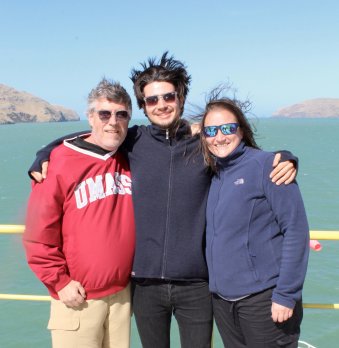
322, 235
24, 297
12, 228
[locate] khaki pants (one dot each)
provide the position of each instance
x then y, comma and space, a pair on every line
99, 323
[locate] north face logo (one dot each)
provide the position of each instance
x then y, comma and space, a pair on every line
240, 181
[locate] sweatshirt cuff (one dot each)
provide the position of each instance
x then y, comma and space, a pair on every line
282, 300
64, 279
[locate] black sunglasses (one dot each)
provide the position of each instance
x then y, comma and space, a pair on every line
154, 99
105, 115
226, 129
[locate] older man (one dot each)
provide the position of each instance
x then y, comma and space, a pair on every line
80, 231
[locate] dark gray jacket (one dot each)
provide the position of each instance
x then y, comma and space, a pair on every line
170, 188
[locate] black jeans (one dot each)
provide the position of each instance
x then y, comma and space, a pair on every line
248, 323
154, 302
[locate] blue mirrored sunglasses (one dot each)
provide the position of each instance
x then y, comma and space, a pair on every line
226, 129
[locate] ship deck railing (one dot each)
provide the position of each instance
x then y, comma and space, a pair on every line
15, 229
314, 235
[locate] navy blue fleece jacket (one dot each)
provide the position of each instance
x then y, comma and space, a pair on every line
257, 232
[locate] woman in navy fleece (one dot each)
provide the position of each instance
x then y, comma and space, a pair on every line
257, 235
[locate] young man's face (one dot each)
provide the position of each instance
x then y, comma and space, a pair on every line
108, 133
164, 110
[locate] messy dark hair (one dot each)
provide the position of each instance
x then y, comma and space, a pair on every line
166, 69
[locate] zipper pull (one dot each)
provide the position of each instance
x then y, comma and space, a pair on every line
167, 134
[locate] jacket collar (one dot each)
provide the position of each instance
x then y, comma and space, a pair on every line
233, 158
169, 135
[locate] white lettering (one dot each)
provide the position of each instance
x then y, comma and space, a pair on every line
127, 183
96, 188
111, 187
80, 195
119, 184
114, 183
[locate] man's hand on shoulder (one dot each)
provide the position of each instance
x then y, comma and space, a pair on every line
283, 172
40, 177
195, 128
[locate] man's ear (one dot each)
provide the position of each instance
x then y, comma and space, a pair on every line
90, 119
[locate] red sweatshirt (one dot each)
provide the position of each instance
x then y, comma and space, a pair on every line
80, 222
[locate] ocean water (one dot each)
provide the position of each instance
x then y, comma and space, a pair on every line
314, 141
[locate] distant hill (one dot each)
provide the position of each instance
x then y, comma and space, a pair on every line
313, 108
16, 107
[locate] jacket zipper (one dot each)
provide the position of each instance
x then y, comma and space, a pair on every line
168, 209
212, 241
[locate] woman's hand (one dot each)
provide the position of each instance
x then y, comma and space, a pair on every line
280, 313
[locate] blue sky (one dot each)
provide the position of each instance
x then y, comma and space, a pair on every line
276, 52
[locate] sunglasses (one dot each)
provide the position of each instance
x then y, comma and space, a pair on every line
154, 99
105, 115
226, 129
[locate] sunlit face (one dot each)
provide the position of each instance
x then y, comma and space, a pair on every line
110, 134
222, 145
163, 114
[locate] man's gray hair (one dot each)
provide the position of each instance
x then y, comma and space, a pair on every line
110, 90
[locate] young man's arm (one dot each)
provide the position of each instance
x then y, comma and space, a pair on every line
284, 172
285, 166
38, 169
285, 163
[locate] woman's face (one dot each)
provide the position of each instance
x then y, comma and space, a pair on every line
222, 145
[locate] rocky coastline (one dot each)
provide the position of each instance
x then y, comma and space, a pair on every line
20, 107
313, 108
